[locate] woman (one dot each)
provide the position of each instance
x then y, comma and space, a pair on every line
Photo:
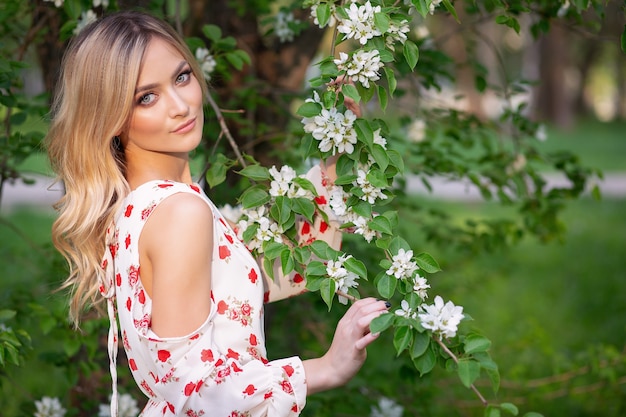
189, 295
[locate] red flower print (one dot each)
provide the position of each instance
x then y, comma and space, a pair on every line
232, 354
321, 200
125, 341
222, 307
250, 389
199, 385
224, 252
236, 368
189, 388
294, 408
253, 340
104, 264
129, 210
206, 355
297, 278
147, 388
268, 395
133, 275
166, 185
141, 297
252, 276
228, 237
288, 370
323, 226
223, 222
219, 362
132, 364
306, 228
163, 355
118, 279
127, 241
246, 309
195, 336
266, 297
113, 249
146, 212
286, 386
195, 188
222, 374
265, 361
101, 289
170, 406
129, 303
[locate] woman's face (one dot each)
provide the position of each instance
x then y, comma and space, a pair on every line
167, 115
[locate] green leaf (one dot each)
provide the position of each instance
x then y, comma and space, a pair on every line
386, 286
422, 6
450, 8
315, 268
402, 338
356, 266
254, 196
392, 83
492, 411
216, 174
533, 414
327, 291
268, 266
421, 342
71, 346
345, 165
363, 209
469, 371
273, 249
398, 243
396, 160
7, 314
381, 22
286, 261
212, 32
305, 184
364, 131
323, 13
309, 109
510, 408
382, 322
235, 60
322, 250
345, 179
314, 283
349, 90
256, 173
476, 343
427, 263
380, 224
411, 53
380, 156
383, 98
304, 207
425, 363
377, 178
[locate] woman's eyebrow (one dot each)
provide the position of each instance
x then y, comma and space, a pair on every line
146, 87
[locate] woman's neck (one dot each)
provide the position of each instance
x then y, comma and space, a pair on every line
157, 166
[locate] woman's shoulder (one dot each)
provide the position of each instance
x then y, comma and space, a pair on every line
143, 200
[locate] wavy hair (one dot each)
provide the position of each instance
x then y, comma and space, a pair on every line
94, 104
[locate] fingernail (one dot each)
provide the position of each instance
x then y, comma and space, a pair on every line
387, 304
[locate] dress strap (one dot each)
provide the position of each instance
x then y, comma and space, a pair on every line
107, 290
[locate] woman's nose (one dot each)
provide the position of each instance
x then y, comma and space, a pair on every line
178, 105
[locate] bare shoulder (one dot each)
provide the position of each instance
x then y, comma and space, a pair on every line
181, 220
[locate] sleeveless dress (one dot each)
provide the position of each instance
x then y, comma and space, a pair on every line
220, 369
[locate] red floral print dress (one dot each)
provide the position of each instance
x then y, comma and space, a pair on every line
220, 369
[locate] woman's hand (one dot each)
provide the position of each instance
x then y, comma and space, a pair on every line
347, 351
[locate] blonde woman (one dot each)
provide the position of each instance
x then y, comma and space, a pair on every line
188, 295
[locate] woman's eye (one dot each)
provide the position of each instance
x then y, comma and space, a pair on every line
183, 77
146, 99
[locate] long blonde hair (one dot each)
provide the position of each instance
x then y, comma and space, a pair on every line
93, 105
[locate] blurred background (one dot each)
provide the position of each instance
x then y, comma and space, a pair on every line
538, 100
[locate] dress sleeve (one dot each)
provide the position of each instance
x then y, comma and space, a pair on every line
283, 286
225, 385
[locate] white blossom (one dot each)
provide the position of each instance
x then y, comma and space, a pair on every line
49, 407
405, 310
434, 5
420, 285
343, 278
85, 18
281, 180
541, 133
442, 319
563, 9
282, 28
103, 3
397, 32
387, 408
361, 228
207, 62
379, 140
370, 193
402, 265
231, 213
360, 23
126, 407
337, 201
333, 129
362, 66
